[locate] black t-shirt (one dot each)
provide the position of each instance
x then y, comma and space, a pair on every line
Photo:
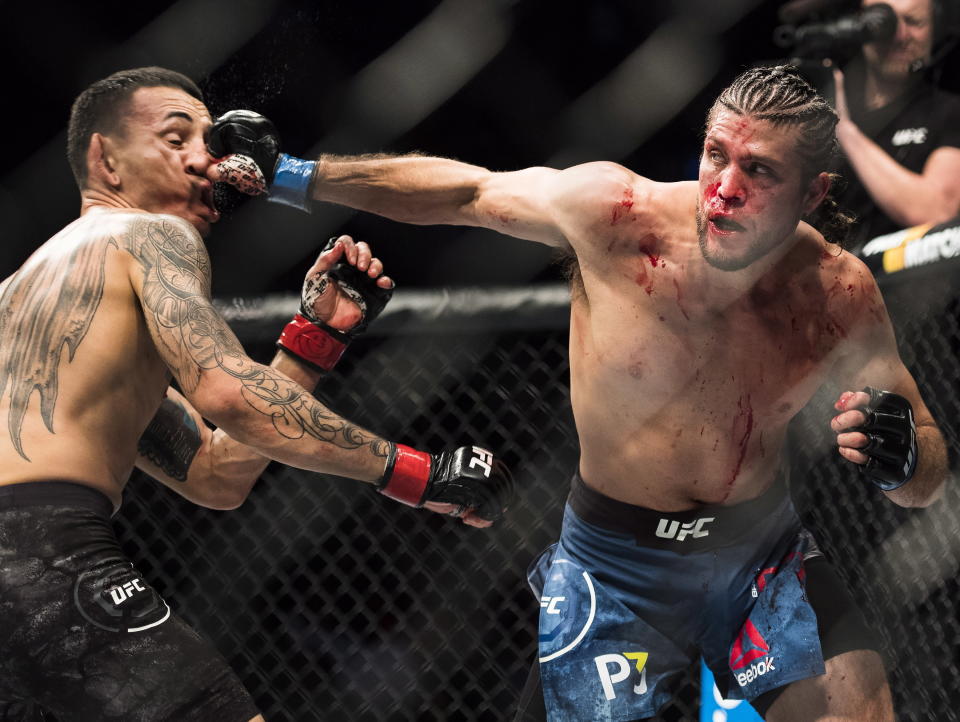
909, 130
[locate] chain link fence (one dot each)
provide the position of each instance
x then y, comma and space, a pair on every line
333, 603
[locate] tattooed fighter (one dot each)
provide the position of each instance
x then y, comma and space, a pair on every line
92, 327
704, 315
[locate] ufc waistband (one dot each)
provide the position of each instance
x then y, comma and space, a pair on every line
683, 531
59, 493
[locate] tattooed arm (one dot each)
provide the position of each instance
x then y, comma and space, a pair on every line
256, 405
202, 464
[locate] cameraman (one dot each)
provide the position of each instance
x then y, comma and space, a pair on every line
900, 134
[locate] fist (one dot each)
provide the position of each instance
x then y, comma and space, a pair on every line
474, 485
876, 430
345, 288
249, 146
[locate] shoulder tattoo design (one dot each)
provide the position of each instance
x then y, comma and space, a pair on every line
43, 309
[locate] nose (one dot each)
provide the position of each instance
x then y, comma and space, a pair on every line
198, 160
903, 30
731, 188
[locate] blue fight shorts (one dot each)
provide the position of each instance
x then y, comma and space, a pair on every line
630, 597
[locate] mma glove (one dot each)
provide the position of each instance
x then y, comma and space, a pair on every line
252, 162
892, 440
468, 477
316, 342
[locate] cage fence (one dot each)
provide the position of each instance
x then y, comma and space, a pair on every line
333, 603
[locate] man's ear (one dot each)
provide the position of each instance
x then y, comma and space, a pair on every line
816, 192
101, 160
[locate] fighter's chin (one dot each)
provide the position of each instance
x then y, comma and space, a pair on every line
723, 259
203, 224
204, 221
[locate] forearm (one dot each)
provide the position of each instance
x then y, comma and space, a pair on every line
928, 480
906, 197
267, 411
412, 189
230, 468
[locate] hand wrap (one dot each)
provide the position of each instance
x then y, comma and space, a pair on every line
892, 439
315, 341
468, 477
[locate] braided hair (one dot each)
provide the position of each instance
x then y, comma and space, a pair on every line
780, 95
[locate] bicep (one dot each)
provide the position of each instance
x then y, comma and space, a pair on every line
550, 206
171, 277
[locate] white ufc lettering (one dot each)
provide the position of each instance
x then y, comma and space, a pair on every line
668, 529
550, 604
483, 459
123, 593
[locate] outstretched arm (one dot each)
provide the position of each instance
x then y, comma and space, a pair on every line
546, 205
908, 198
549, 206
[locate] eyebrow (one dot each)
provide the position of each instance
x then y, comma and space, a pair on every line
178, 114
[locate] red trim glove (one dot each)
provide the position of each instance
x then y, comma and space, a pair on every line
316, 342
468, 477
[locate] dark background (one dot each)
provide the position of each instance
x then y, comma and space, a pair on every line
501, 83
332, 604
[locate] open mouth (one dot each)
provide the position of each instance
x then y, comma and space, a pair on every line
725, 224
207, 198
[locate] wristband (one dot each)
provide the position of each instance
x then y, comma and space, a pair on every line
407, 475
317, 346
291, 182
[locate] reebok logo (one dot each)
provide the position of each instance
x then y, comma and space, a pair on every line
757, 669
749, 646
906, 136
668, 529
622, 662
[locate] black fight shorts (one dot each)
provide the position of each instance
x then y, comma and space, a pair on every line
84, 636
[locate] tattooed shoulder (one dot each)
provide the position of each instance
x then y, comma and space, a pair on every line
169, 249
46, 308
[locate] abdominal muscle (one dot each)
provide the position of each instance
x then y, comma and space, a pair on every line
674, 461
673, 422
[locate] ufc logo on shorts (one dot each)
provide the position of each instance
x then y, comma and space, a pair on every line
668, 529
482, 459
621, 662
124, 592
550, 604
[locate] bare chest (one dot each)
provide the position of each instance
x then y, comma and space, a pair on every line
651, 338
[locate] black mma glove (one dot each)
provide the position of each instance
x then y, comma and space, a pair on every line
468, 477
316, 342
252, 162
892, 439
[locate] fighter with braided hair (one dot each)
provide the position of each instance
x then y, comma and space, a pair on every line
704, 316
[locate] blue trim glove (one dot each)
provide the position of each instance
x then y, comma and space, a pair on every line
249, 146
291, 182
